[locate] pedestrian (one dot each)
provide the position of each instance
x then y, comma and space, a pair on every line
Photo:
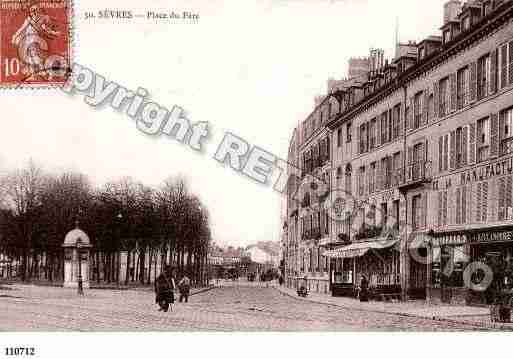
184, 286
364, 289
164, 289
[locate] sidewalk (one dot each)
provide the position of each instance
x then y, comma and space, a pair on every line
479, 316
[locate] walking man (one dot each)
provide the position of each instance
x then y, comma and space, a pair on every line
164, 290
184, 286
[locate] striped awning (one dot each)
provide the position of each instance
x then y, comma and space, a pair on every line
360, 249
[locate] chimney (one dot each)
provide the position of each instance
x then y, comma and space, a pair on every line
452, 9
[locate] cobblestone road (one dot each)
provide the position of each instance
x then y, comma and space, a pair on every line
29, 308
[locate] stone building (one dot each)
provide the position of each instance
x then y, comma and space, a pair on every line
421, 163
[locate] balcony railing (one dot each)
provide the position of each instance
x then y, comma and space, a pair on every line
417, 173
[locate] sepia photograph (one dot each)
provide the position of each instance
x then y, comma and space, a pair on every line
254, 167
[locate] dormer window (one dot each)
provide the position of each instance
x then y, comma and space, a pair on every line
465, 23
422, 53
447, 36
487, 8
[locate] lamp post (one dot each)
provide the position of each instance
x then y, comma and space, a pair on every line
80, 281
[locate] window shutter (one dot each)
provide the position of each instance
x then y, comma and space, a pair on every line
493, 70
478, 202
501, 199
378, 131
454, 99
446, 152
458, 206
484, 208
369, 176
359, 139
424, 204
464, 146
444, 207
472, 143
503, 65
464, 204
452, 155
401, 118
425, 115
510, 66
440, 153
409, 167
411, 113
494, 135
473, 82
440, 208
436, 100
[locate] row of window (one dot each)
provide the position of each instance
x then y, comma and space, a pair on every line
313, 261
471, 204
380, 130
315, 225
487, 138
316, 156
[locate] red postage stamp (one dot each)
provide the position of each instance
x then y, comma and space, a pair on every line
35, 42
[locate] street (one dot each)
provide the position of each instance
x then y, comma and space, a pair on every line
232, 308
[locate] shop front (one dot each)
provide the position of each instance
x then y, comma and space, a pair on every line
493, 248
378, 260
448, 260
473, 267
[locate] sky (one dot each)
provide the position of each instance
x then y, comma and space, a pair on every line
249, 67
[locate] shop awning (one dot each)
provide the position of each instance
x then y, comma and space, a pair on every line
360, 249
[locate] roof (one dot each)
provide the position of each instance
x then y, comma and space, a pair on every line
360, 249
74, 236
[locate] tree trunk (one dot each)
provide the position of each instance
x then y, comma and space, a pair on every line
127, 271
142, 260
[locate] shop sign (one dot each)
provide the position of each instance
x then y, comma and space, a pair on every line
485, 172
449, 240
488, 237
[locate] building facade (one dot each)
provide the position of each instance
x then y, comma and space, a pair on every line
421, 164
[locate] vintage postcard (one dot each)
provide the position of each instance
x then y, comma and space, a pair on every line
292, 166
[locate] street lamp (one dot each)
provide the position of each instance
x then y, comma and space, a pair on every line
80, 281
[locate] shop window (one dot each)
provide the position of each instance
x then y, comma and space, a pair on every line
506, 131
483, 139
